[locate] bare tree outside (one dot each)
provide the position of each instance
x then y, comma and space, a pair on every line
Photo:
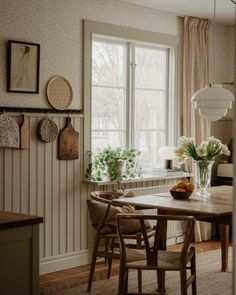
149, 98
108, 94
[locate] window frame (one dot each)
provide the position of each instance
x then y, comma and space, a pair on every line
125, 43
152, 46
136, 35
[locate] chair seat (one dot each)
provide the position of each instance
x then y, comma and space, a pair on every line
111, 229
155, 257
109, 254
167, 260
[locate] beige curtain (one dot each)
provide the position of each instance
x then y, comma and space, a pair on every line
195, 76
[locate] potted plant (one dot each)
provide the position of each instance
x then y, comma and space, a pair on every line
113, 163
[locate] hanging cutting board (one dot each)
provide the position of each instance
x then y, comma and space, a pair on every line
68, 144
24, 134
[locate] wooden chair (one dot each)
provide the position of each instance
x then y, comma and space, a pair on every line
158, 260
107, 234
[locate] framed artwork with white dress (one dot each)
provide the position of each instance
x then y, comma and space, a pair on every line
23, 67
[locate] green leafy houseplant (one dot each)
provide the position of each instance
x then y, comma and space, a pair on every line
114, 163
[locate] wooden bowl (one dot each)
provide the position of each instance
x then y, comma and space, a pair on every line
181, 195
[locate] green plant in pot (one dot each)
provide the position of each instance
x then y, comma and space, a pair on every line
115, 164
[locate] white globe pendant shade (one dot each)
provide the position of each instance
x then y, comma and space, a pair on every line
213, 101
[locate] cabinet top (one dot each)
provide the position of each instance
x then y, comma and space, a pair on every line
10, 220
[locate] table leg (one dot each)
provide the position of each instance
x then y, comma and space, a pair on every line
161, 282
224, 238
162, 246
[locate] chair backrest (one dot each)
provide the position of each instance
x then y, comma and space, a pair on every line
161, 225
103, 212
105, 199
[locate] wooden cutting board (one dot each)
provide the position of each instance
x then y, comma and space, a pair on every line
68, 144
24, 134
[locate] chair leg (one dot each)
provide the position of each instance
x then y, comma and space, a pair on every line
106, 246
93, 263
183, 281
123, 281
110, 259
126, 281
193, 272
161, 282
140, 281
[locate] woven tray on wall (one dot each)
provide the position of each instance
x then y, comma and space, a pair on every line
47, 130
59, 93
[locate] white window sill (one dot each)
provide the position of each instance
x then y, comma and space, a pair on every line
145, 177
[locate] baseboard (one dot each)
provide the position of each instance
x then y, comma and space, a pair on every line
176, 240
64, 261
74, 259
170, 241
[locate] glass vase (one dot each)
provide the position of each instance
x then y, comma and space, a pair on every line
203, 177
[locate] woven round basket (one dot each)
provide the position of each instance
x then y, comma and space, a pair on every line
47, 130
59, 93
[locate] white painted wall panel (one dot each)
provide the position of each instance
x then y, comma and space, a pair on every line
16, 181
2, 178
35, 182
8, 184
62, 203
48, 198
33, 175
55, 205
78, 189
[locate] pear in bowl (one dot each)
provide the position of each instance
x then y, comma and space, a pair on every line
182, 190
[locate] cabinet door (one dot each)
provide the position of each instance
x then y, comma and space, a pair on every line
18, 261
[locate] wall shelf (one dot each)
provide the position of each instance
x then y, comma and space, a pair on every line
39, 110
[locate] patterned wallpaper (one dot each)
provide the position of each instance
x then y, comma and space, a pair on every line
222, 49
57, 26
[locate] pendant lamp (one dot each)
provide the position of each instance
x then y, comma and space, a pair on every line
213, 101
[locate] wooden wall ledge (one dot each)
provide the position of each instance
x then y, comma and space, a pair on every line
39, 110
145, 177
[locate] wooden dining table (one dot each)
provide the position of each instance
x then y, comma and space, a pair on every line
216, 208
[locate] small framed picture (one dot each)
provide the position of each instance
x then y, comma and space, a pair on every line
23, 67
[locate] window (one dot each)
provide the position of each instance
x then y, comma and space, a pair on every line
108, 94
131, 94
150, 103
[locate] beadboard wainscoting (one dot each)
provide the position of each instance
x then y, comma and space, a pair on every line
35, 182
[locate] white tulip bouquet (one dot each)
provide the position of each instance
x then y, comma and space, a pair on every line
207, 150
203, 155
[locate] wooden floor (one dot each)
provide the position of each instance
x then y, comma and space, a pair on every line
79, 275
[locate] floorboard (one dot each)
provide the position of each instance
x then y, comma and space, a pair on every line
79, 275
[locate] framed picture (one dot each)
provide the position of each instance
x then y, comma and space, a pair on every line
23, 67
